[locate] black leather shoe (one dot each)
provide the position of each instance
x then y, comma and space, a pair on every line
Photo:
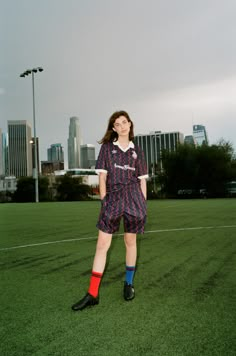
87, 301
128, 291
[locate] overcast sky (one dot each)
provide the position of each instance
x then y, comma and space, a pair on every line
169, 63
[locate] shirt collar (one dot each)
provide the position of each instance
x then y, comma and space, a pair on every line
130, 145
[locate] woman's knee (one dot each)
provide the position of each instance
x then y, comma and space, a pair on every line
104, 241
130, 240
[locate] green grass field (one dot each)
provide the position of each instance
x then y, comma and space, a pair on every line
185, 282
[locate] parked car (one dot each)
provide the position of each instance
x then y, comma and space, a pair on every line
192, 193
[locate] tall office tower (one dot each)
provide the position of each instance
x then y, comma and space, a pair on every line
19, 148
152, 144
55, 153
87, 156
1, 154
74, 142
200, 135
5, 163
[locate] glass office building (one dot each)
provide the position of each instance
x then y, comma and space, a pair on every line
200, 135
55, 153
189, 139
5, 164
87, 156
154, 143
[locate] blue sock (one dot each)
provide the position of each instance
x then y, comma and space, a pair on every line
129, 274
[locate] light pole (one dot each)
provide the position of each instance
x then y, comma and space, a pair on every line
35, 168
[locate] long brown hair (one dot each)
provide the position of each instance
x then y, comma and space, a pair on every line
110, 134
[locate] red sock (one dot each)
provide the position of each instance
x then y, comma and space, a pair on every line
95, 281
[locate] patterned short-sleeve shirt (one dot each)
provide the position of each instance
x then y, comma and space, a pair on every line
122, 166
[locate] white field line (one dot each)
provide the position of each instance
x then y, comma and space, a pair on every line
94, 237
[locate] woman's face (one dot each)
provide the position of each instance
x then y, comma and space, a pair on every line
122, 126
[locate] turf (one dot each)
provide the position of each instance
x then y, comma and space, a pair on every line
185, 282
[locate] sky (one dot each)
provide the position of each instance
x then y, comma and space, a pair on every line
169, 63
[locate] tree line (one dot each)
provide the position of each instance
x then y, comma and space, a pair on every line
189, 171
64, 188
194, 171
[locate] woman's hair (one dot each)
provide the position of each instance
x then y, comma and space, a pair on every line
112, 135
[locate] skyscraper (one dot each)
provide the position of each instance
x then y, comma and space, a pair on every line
153, 143
200, 135
87, 156
74, 142
5, 161
20, 150
55, 153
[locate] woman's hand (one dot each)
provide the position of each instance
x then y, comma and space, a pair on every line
102, 184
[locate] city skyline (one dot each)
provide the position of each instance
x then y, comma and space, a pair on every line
83, 155
46, 150
169, 64
57, 147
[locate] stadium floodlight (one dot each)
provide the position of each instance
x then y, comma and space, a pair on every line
35, 168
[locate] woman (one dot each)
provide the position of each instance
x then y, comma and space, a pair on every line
122, 171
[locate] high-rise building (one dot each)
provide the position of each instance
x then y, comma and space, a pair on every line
87, 156
189, 139
74, 142
5, 164
19, 148
153, 143
200, 135
1, 154
55, 153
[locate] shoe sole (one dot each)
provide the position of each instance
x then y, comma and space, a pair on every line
86, 307
129, 299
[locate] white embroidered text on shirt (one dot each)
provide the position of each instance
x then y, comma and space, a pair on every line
134, 155
125, 167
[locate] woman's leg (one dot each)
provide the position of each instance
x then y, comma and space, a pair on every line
103, 244
131, 256
99, 262
131, 248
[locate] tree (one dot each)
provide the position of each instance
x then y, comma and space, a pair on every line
25, 191
44, 189
214, 168
72, 189
179, 169
194, 168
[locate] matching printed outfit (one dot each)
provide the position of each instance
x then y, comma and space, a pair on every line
124, 197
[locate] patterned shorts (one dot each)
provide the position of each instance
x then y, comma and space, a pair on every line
127, 203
